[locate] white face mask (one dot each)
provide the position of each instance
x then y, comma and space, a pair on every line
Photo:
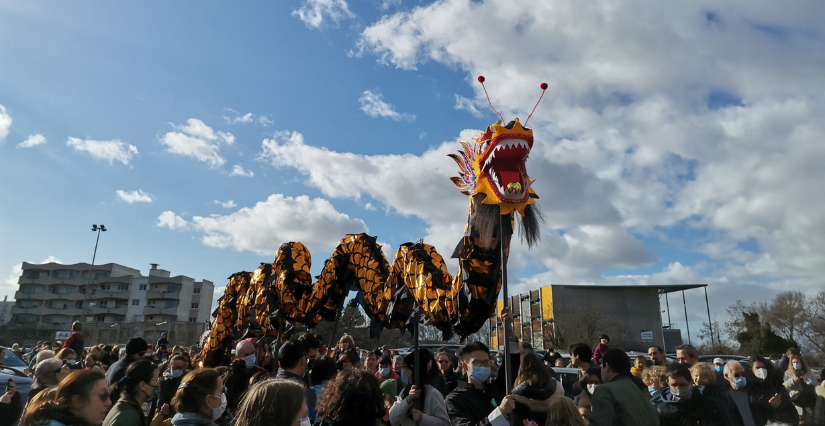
592, 388
761, 373
218, 412
305, 422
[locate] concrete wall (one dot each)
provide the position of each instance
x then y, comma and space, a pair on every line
631, 309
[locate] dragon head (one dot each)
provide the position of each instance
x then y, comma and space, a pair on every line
495, 166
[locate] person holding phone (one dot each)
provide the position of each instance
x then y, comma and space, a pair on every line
11, 405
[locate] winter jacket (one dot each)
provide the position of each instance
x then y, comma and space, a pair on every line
452, 378
191, 419
469, 406
619, 402
533, 402
64, 418
10, 413
758, 404
393, 375
699, 410
75, 343
127, 412
434, 410
598, 353
789, 381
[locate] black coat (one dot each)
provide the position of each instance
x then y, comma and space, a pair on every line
532, 402
468, 406
699, 410
10, 413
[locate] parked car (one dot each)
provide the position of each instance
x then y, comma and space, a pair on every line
16, 369
567, 377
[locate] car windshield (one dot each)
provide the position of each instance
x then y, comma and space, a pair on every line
12, 360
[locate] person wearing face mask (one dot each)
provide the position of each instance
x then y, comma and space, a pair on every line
135, 388
750, 406
718, 369
81, 399
591, 379
274, 403
385, 371
171, 379
655, 380
243, 373
472, 402
419, 403
798, 375
200, 399
47, 374
769, 379
688, 406
69, 358
618, 401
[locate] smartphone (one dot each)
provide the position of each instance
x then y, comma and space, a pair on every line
8, 383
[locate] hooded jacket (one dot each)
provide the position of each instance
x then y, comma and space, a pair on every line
533, 402
75, 343
699, 410
469, 406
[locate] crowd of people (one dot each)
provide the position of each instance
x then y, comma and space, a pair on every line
301, 382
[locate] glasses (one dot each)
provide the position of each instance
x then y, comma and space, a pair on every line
104, 396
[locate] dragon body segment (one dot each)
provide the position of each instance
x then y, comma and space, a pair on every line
417, 283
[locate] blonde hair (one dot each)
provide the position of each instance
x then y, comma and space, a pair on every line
705, 373
347, 338
655, 374
563, 412
792, 370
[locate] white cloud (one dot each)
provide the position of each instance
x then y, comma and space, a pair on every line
32, 140
226, 204
238, 170
263, 227
172, 221
197, 140
265, 121
373, 105
5, 123
314, 13
11, 282
467, 104
113, 150
240, 119
134, 196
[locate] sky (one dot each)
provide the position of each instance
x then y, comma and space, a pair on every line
676, 142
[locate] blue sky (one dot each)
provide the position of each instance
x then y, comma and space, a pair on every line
675, 144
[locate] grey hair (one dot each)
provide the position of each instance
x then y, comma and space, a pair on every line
730, 364
43, 355
43, 368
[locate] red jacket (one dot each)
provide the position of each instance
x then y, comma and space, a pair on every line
75, 343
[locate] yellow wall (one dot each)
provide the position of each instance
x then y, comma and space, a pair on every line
547, 303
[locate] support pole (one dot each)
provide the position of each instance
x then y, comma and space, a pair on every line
505, 304
416, 362
669, 323
277, 348
335, 328
662, 322
684, 302
710, 323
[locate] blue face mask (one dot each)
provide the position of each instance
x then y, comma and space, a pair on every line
250, 361
385, 372
797, 366
653, 391
404, 380
480, 374
740, 382
719, 368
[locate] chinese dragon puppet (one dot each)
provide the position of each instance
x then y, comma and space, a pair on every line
277, 296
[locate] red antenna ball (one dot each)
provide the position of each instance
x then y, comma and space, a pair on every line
543, 86
481, 79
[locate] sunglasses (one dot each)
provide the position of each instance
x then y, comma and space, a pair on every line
105, 396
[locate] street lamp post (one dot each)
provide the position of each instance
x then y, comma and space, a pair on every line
98, 229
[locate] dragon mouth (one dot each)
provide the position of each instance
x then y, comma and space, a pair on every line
503, 164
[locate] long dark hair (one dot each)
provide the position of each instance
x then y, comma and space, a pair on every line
138, 372
271, 402
77, 384
775, 377
533, 371
353, 397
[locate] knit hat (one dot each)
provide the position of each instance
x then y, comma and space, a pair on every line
136, 346
389, 387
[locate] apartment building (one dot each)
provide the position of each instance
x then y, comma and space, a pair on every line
114, 302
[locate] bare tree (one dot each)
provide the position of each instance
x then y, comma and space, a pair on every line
813, 331
585, 322
713, 341
787, 313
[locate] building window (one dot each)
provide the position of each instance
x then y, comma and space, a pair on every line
197, 290
194, 306
99, 318
101, 275
69, 290
104, 287
142, 287
29, 289
55, 290
58, 274
26, 304
170, 318
83, 289
79, 304
171, 303
135, 302
120, 303
123, 287
33, 274
151, 317
119, 318
72, 274
193, 319
172, 288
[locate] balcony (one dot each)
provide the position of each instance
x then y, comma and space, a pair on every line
100, 310
151, 310
157, 294
110, 294
48, 295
